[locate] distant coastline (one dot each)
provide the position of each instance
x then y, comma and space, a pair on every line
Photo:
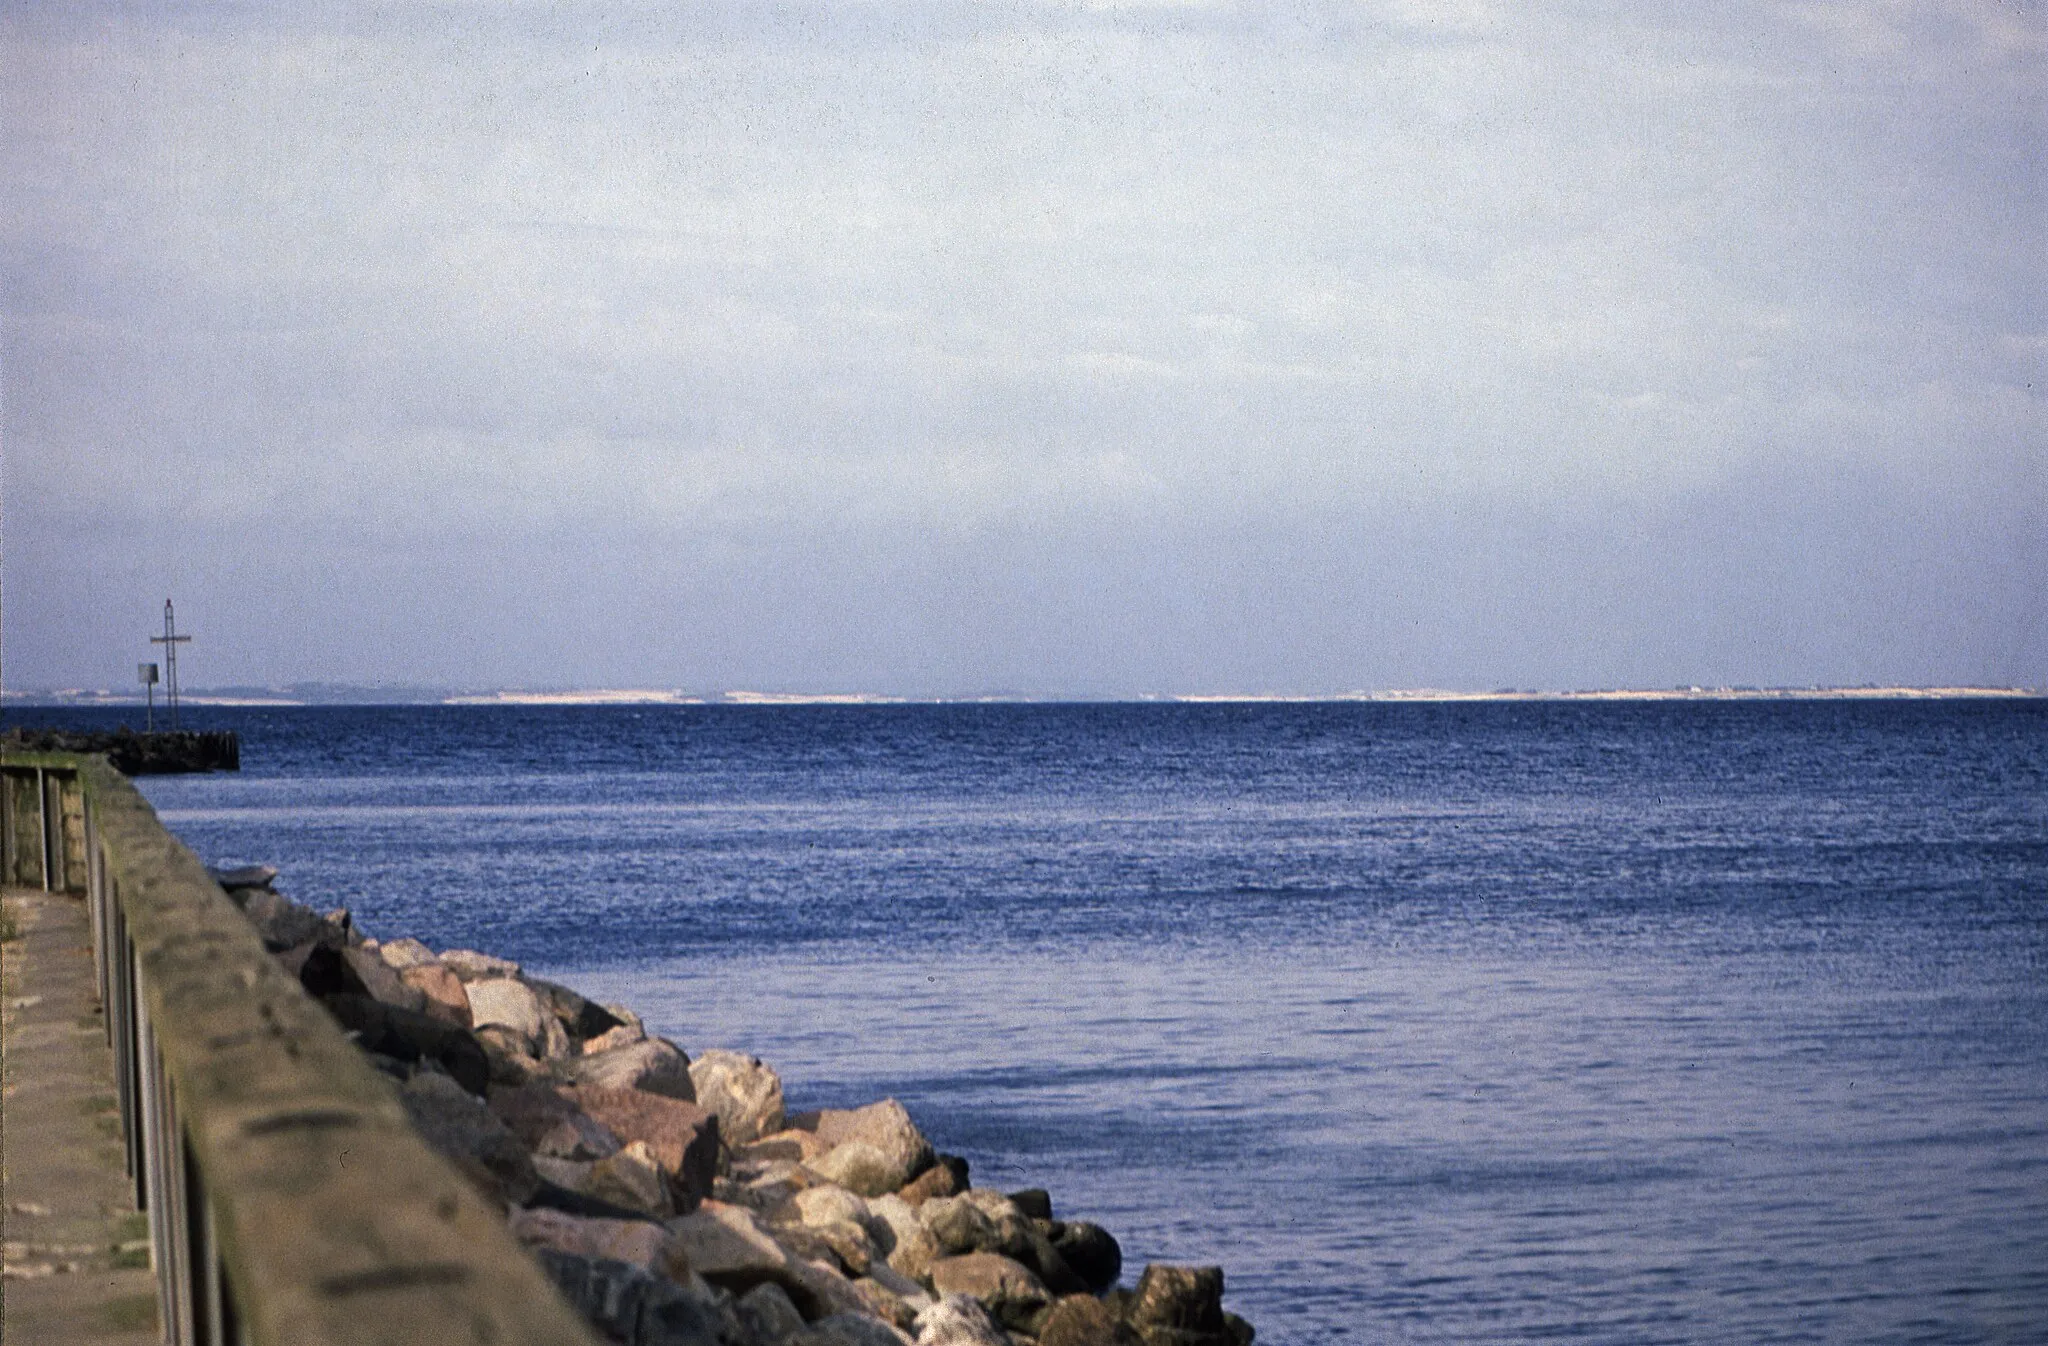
346, 695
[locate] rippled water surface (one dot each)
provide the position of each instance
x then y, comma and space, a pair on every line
1472, 1023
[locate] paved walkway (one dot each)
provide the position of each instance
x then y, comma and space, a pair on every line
75, 1267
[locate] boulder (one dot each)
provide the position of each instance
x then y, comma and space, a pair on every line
246, 877
1084, 1320
742, 1090
1179, 1306
947, 1177
682, 1136
323, 968
400, 954
899, 1150
823, 1204
905, 1297
458, 1126
563, 1197
655, 1066
628, 1304
445, 998
510, 1055
768, 1313
860, 1167
1009, 1232
1013, 1296
1091, 1251
889, 1306
281, 922
507, 1002
470, 965
568, 1174
639, 1242
822, 1290
911, 1249
1034, 1202
625, 1035
790, 1144
728, 1246
805, 1243
380, 983
580, 1018
772, 1185
849, 1329
850, 1245
549, 1123
957, 1225
406, 1036
634, 1179
958, 1320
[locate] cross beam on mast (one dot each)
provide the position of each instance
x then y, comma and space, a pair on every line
171, 640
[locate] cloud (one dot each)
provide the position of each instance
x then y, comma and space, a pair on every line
838, 280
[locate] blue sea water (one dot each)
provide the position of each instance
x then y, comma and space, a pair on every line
1499, 1022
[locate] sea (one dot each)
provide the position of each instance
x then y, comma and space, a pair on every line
1475, 1022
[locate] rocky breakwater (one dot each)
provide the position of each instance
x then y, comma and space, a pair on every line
676, 1203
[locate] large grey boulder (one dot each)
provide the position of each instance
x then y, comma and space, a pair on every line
768, 1312
400, 954
581, 1018
958, 1320
548, 1122
456, 1124
730, 1247
957, 1225
632, 1178
405, 1036
506, 1002
871, 1150
824, 1204
910, 1247
1007, 1289
380, 983
282, 923
446, 999
627, 1304
742, 1090
654, 1065
643, 1243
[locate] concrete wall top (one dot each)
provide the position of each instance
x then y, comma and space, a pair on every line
335, 1221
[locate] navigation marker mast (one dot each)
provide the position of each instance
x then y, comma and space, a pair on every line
171, 640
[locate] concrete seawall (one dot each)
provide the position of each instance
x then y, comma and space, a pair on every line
289, 1201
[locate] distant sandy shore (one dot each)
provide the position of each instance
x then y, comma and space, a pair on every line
664, 697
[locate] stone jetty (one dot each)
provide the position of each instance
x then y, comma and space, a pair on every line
168, 752
676, 1202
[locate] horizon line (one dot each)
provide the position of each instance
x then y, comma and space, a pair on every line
340, 694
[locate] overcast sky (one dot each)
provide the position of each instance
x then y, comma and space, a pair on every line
1030, 347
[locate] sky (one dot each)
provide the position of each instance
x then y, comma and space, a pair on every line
1030, 348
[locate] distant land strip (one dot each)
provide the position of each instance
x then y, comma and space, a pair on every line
341, 695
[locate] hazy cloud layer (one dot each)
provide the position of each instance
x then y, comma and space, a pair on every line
1056, 348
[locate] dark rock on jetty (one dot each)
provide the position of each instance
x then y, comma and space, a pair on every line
673, 1200
134, 754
